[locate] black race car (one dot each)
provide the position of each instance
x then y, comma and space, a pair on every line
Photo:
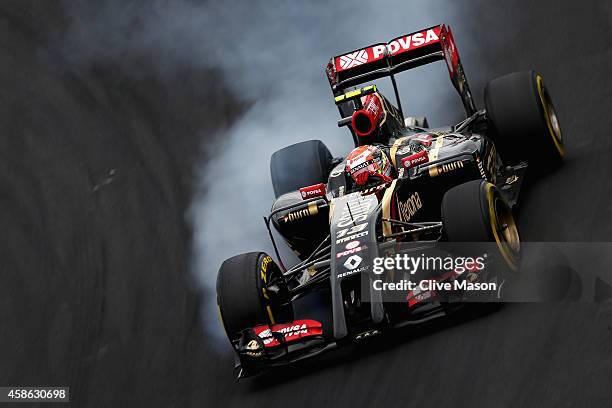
442, 187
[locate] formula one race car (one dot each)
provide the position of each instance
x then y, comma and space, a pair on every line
403, 184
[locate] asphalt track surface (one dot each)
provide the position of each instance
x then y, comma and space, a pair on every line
95, 176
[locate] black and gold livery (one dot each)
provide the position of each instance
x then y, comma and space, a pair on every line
456, 184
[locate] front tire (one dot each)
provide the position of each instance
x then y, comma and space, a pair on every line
476, 212
251, 290
523, 121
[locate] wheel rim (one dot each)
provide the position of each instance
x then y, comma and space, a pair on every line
506, 226
504, 229
552, 122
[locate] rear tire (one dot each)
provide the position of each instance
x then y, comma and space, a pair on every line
523, 120
476, 212
300, 165
242, 297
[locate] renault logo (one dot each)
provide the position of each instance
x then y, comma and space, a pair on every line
352, 262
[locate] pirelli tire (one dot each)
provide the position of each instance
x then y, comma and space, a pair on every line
476, 212
251, 290
523, 120
300, 165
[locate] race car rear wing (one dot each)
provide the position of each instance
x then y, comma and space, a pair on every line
400, 54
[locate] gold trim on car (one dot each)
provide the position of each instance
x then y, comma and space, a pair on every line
393, 150
433, 153
386, 209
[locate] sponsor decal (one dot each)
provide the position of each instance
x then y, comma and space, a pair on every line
293, 330
353, 262
312, 209
267, 332
289, 331
360, 166
316, 190
352, 237
445, 168
354, 211
408, 42
353, 59
397, 46
350, 251
451, 166
352, 230
253, 349
358, 155
352, 220
408, 208
352, 272
263, 272
353, 244
481, 168
415, 159
264, 264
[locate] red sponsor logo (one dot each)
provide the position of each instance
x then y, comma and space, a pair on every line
351, 251
316, 190
397, 46
290, 332
415, 159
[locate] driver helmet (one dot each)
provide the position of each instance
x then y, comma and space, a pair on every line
368, 163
